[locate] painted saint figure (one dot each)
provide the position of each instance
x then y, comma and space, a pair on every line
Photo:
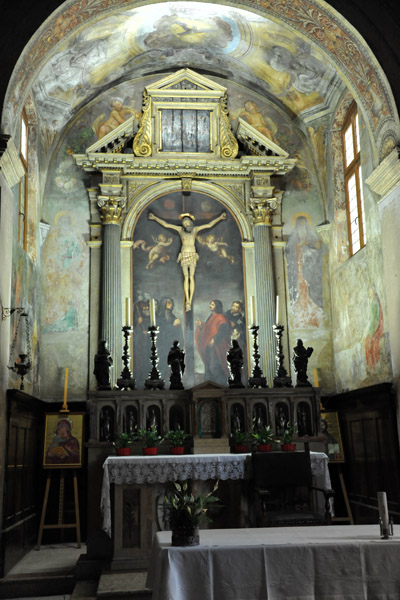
188, 256
64, 449
212, 341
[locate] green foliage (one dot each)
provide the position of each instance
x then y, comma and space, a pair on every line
176, 437
184, 509
264, 435
150, 436
288, 433
240, 438
124, 440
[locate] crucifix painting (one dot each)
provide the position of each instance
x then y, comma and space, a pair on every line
190, 275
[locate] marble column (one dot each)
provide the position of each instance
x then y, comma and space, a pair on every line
111, 208
262, 210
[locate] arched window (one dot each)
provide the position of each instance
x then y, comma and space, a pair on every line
23, 185
353, 181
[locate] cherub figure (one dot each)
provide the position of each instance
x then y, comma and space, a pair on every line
157, 252
119, 114
216, 245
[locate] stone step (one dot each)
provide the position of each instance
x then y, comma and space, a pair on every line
125, 585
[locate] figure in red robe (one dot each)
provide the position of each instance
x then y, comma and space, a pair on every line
212, 342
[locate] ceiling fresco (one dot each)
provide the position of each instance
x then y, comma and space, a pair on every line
252, 50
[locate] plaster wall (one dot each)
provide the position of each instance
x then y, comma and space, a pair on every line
6, 225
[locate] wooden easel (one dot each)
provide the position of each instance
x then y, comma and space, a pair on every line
349, 516
60, 524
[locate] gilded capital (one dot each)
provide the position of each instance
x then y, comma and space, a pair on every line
111, 208
262, 210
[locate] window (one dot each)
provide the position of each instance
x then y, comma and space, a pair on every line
353, 181
23, 184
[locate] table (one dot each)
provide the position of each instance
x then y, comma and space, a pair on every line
162, 468
346, 562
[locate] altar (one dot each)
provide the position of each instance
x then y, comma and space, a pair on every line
139, 489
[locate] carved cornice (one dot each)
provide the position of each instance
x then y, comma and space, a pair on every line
10, 163
111, 208
386, 176
134, 166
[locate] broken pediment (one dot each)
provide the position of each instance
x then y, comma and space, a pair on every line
256, 143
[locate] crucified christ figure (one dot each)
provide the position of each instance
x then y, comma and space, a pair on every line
188, 256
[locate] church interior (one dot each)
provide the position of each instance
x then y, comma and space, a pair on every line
199, 224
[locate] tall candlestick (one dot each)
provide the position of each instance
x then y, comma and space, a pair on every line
66, 385
64, 407
253, 310
152, 312
277, 311
315, 377
127, 311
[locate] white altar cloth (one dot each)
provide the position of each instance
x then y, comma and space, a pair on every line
163, 468
346, 562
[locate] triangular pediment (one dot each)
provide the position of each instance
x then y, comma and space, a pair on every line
256, 142
185, 79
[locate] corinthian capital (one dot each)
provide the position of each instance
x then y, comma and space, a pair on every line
111, 208
262, 210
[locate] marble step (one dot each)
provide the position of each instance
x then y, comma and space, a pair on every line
124, 585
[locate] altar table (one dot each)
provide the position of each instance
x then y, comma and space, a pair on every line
198, 467
347, 562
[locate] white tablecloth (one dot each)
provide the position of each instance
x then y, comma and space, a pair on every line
347, 562
163, 468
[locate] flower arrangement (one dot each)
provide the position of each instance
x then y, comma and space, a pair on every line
124, 440
264, 435
240, 438
185, 510
176, 437
150, 437
288, 433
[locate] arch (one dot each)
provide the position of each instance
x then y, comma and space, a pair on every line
152, 192
313, 20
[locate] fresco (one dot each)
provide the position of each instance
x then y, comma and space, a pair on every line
64, 257
263, 54
304, 256
216, 314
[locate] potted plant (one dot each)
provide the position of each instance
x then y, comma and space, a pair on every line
185, 513
176, 437
123, 444
151, 438
264, 436
286, 441
240, 439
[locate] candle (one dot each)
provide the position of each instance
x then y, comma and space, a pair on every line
277, 311
252, 310
127, 311
383, 514
65, 385
315, 377
152, 312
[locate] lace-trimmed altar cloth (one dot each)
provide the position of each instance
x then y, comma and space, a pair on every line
160, 469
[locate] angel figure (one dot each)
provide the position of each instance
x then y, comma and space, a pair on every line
119, 114
216, 245
157, 252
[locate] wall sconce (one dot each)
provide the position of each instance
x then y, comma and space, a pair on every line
24, 364
7, 312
